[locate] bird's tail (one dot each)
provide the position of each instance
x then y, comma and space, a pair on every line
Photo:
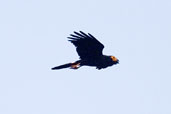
74, 65
62, 66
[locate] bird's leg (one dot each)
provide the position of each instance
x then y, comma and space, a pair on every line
75, 65
98, 68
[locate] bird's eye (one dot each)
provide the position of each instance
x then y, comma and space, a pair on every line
113, 58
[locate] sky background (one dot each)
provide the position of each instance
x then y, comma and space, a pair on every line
33, 39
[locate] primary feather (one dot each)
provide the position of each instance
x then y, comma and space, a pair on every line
87, 46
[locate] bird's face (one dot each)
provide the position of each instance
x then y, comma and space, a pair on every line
114, 59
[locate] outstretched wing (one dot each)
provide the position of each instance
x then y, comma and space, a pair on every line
87, 46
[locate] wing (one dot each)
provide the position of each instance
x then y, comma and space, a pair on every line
87, 46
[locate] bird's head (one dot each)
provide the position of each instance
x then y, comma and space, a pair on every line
114, 59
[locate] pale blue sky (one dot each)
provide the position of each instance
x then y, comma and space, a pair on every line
33, 40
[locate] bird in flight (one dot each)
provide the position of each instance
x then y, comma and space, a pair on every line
90, 51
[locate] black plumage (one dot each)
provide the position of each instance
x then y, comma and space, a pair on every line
90, 51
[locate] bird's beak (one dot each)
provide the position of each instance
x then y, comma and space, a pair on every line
118, 61
114, 59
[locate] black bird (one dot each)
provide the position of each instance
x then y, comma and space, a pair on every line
90, 51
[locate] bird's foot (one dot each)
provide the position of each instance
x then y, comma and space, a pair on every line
75, 66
